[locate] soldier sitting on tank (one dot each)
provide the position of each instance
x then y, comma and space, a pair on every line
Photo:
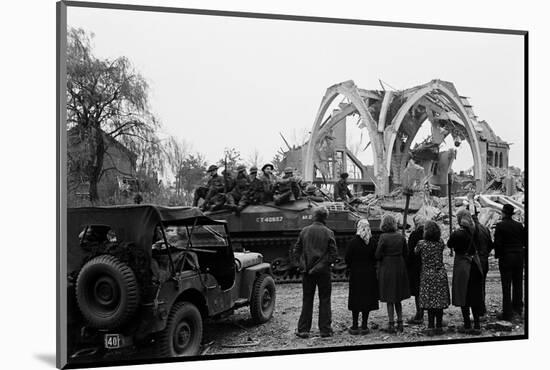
287, 188
215, 198
341, 190
239, 190
254, 193
313, 193
269, 180
201, 191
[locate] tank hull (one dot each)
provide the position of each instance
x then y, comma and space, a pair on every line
272, 230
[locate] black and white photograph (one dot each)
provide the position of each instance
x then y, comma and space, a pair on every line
242, 184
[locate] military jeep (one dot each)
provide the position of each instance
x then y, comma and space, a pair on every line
149, 275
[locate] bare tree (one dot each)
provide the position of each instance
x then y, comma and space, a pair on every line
177, 152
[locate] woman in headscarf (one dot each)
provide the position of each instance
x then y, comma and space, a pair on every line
467, 286
392, 273
414, 265
363, 285
434, 286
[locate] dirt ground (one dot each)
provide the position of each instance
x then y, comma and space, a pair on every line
237, 334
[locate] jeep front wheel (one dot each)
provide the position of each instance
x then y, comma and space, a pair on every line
107, 292
262, 302
182, 335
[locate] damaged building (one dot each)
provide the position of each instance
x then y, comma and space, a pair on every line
392, 119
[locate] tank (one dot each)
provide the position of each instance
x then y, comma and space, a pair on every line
271, 230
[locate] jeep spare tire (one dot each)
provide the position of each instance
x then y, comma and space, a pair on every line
107, 292
262, 301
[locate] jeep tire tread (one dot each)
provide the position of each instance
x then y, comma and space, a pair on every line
262, 301
107, 292
182, 335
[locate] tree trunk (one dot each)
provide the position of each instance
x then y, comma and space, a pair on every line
97, 152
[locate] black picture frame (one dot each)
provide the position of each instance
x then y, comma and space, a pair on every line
61, 174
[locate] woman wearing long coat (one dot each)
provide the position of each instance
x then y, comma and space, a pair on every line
393, 280
467, 286
363, 284
434, 286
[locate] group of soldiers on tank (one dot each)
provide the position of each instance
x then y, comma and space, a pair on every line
226, 192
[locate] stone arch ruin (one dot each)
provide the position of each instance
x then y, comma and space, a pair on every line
392, 120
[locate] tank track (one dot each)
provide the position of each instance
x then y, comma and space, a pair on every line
275, 251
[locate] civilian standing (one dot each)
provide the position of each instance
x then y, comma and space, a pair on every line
467, 289
510, 237
414, 264
434, 285
393, 280
363, 284
315, 251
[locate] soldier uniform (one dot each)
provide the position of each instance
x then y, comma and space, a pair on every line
286, 189
255, 192
313, 193
268, 180
341, 190
239, 190
215, 198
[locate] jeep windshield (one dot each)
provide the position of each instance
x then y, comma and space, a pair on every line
199, 236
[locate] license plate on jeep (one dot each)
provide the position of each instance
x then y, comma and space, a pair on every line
113, 341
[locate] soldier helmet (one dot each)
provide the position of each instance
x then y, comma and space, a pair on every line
241, 167
310, 189
344, 175
212, 167
289, 170
253, 169
268, 165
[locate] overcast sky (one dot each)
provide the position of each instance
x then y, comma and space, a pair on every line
235, 82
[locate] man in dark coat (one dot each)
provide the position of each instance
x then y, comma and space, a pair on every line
341, 190
510, 237
315, 251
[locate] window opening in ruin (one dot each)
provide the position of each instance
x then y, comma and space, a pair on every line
353, 170
490, 158
339, 163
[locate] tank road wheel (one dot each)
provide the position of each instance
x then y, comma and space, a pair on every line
280, 268
107, 292
262, 302
182, 335
338, 271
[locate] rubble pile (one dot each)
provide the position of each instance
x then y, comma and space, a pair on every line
488, 205
506, 180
